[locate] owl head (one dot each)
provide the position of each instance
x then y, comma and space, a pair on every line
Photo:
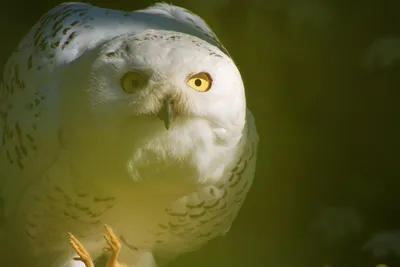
155, 89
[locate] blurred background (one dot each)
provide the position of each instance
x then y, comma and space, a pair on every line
322, 80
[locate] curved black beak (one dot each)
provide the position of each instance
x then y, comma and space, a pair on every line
166, 113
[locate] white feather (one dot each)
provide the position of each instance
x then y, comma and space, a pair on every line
76, 151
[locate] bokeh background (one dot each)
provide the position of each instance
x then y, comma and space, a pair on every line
322, 80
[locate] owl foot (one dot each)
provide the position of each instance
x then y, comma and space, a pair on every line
81, 251
114, 246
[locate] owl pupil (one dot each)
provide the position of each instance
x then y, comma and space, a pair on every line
135, 83
197, 82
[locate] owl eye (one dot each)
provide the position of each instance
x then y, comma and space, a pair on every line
132, 81
200, 82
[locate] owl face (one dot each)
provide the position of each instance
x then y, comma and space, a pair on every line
165, 79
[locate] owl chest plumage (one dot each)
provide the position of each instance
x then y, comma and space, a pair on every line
145, 219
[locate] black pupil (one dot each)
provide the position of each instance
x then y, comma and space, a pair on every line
197, 82
135, 83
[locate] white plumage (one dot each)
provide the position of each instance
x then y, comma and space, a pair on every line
82, 143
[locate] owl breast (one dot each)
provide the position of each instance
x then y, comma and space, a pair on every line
158, 215
191, 221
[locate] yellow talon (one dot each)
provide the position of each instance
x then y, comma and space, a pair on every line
81, 251
114, 246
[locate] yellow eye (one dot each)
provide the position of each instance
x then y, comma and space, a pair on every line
132, 81
200, 82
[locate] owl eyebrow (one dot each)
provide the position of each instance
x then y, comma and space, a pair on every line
145, 72
194, 73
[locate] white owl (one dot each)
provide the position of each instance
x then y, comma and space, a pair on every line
135, 119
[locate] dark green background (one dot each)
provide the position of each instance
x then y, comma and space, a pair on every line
329, 128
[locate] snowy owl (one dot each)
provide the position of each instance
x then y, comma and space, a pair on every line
133, 119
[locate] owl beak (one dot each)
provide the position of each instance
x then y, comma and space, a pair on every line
166, 113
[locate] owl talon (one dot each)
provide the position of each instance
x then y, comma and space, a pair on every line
81, 251
114, 246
